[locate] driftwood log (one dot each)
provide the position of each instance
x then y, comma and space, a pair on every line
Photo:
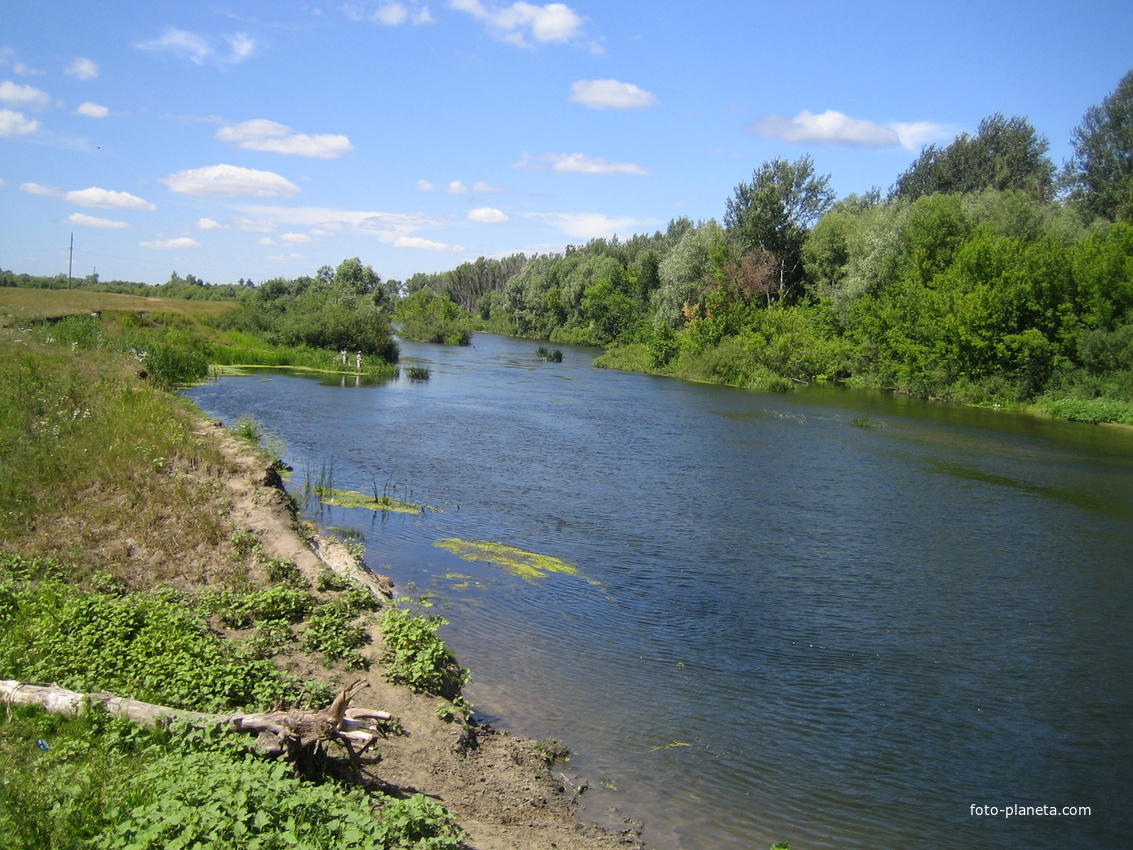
298, 736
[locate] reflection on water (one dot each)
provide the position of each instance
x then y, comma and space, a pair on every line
785, 626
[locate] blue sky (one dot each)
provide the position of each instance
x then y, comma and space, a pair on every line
235, 139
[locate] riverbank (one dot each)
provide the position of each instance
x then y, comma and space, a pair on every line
501, 789
117, 498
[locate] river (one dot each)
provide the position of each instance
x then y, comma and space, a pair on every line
834, 618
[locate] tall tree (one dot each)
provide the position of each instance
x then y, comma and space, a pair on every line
1100, 175
1005, 154
774, 213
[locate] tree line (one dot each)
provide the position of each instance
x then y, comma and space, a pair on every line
985, 274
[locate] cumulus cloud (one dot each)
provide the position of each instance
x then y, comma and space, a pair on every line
520, 22
171, 244
295, 238
92, 110
198, 49
611, 94
84, 220
230, 181
424, 244
426, 186
282, 258
107, 199
208, 224
456, 187
14, 123
836, 128
577, 163
487, 215
82, 68
590, 225
24, 97
260, 134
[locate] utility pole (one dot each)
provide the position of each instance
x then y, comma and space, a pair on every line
70, 259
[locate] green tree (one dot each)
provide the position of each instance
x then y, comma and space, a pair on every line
774, 213
1100, 174
428, 317
1005, 154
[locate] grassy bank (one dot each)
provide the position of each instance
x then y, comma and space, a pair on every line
123, 567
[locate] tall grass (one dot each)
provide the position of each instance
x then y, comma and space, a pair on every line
95, 460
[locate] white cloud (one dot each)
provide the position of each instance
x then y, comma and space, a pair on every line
487, 215
591, 225
7, 58
515, 24
482, 188
84, 220
107, 199
611, 94
836, 128
242, 47
27, 97
171, 244
426, 186
282, 258
388, 227
92, 110
914, 136
182, 43
391, 14
40, 189
82, 68
577, 163
198, 49
267, 242
424, 244
295, 238
16, 124
208, 224
456, 187
255, 225
230, 181
260, 134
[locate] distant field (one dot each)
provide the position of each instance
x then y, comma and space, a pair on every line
19, 304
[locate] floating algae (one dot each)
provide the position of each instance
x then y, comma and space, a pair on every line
524, 565
385, 502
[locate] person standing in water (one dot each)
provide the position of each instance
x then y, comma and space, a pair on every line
358, 360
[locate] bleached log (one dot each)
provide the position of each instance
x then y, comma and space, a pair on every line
278, 732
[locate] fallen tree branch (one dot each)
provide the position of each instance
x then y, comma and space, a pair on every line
296, 735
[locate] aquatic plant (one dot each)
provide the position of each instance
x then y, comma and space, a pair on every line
520, 563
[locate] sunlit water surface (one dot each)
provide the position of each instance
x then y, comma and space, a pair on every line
831, 617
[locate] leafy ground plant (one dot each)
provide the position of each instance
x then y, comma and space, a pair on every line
97, 782
417, 656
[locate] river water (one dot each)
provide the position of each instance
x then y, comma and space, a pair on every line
832, 617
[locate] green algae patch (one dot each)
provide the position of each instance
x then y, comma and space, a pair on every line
353, 499
520, 563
